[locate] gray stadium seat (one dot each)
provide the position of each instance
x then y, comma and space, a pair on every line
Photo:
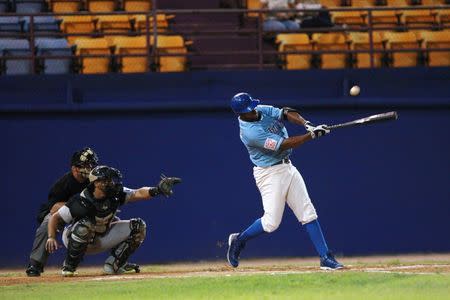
55, 47
10, 25
15, 47
42, 24
29, 6
4, 6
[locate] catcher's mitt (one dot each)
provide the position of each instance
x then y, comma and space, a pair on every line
166, 184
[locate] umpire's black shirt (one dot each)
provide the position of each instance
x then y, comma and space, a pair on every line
61, 191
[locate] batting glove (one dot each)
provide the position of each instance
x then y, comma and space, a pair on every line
309, 126
319, 131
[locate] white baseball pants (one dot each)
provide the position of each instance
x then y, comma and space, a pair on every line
282, 184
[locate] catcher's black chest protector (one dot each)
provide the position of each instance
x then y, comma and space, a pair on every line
101, 212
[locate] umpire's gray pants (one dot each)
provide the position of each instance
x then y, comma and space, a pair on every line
118, 232
39, 253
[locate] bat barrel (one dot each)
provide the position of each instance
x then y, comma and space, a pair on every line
392, 115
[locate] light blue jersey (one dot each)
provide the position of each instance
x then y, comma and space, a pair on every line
264, 137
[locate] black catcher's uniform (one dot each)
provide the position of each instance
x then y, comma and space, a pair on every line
94, 227
99, 212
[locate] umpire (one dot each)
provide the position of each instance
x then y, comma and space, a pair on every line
71, 183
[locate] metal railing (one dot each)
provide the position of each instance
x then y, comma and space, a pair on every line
152, 32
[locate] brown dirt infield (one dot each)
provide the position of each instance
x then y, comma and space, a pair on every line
405, 264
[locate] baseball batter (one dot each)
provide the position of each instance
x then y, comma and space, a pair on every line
93, 227
264, 135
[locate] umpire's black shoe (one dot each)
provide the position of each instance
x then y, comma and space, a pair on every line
33, 271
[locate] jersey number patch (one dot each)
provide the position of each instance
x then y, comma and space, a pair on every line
270, 144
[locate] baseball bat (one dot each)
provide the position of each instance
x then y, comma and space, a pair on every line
392, 115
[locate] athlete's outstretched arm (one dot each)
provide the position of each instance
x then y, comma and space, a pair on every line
164, 187
298, 140
142, 193
294, 117
295, 141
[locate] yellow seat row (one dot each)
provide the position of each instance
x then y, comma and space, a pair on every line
112, 23
68, 6
126, 45
389, 18
426, 40
368, 3
379, 18
410, 18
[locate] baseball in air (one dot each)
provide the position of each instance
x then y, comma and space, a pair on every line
354, 91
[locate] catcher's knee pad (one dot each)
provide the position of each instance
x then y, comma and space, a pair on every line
138, 230
79, 238
82, 231
121, 253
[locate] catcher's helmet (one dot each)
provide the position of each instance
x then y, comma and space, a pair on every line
85, 157
111, 176
243, 103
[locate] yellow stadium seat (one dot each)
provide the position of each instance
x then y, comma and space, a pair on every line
64, 6
361, 41
332, 41
137, 5
436, 40
331, 3
444, 16
114, 23
402, 40
253, 4
386, 18
132, 45
431, 2
169, 45
93, 46
362, 3
295, 42
162, 22
77, 25
419, 17
101, 5
397, 3
349, 17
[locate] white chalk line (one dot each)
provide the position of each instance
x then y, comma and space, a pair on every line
388, 270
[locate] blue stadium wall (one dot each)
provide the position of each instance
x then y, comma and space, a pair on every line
378, 189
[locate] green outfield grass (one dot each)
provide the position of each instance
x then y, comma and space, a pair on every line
332, 285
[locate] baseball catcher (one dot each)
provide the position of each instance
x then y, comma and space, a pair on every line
93, 227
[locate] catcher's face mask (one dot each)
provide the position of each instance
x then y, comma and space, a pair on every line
111, 187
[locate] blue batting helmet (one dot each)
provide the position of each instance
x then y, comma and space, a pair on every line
243, 103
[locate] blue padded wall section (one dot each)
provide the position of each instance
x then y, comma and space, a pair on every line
378, 189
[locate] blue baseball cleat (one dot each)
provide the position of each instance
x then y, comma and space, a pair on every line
328, 262
234, 249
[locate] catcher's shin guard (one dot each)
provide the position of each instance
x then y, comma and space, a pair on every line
121, 253
79, 238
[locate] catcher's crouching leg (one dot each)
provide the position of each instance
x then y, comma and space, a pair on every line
116, 263
78, 240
